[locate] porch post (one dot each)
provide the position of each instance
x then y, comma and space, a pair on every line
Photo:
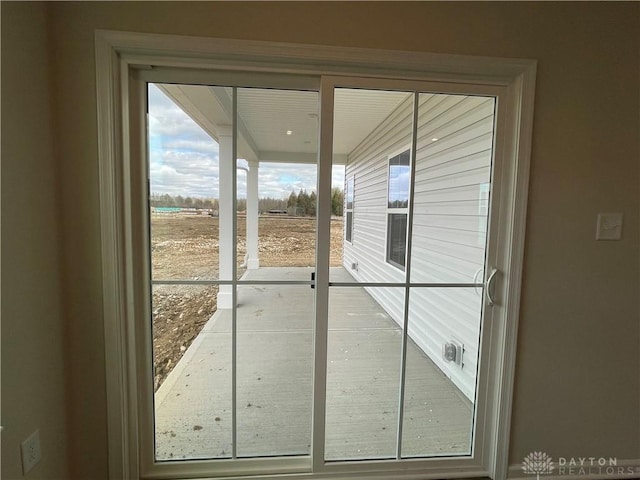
253, 262
226, 255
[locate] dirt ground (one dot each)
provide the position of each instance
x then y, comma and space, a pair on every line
185, 246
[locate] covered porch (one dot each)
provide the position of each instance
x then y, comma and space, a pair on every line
274, 371
272, 127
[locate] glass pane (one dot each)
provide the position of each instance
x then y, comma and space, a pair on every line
350, 185
184, 188
363, 372
276, 240
349, 227
274, 369
192, 370
338, 217
441, 370
371, 127
452, 183
277, 177
397, 238
399, 180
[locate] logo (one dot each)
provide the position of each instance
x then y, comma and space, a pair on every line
537, 463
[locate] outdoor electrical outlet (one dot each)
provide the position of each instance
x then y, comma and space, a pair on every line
453, 351
31, 453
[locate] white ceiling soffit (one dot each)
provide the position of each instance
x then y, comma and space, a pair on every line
210, 108
358, 112
267, 115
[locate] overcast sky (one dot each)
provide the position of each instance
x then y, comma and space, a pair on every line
184, 159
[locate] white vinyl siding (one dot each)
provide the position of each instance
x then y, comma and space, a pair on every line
451, 185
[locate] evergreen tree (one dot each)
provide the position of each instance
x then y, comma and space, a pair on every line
337, 198
293, 200
312, 204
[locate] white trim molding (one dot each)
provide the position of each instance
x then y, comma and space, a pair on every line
193, 59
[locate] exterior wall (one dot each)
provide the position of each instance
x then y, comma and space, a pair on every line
450, 207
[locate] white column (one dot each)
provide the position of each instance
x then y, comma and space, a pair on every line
225, 213
253, 262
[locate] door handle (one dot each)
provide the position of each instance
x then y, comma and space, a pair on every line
488, 286
475, 280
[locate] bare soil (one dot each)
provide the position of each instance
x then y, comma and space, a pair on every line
184, 246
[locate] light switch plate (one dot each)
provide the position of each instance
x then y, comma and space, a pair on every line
609, 226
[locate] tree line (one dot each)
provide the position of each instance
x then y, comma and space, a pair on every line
304, 203
178, 201
301, 203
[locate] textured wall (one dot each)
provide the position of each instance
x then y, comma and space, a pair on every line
33, 377
578, 372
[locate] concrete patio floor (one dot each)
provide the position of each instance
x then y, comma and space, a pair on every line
274, 382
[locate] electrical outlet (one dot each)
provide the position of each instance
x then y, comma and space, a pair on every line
453, 351
31, 453
609, 226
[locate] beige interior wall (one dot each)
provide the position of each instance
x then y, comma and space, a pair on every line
578, 370
33, 376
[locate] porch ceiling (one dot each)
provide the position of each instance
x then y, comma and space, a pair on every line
266, 115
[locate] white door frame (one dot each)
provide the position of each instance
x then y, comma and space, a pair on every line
118, 53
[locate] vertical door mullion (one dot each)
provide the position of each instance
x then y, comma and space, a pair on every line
234, 270
481, 439
323, 232
139, 132
407, 273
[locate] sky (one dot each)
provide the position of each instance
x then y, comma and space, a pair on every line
183, 159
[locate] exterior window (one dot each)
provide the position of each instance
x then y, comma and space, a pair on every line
349, 211
397, 208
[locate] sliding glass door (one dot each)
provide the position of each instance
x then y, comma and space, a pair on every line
316, 262
405, 307
233, 177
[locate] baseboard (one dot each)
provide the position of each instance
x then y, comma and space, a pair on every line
620, 469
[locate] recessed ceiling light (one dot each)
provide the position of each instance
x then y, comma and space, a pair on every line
434, 139
289, 132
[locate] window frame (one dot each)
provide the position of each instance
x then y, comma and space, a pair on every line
397, 210
119, 55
